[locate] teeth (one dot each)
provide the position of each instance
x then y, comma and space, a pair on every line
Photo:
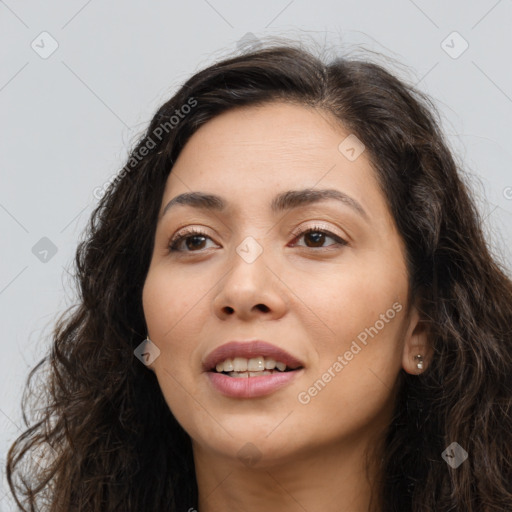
226, 366
241, 365
256, 364
280, 366
244, 375
270, 363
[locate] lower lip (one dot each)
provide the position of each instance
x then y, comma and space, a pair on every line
250, 387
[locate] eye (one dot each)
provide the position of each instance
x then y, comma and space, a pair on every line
193, 238
317, 236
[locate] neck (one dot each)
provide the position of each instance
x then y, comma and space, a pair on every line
331, 479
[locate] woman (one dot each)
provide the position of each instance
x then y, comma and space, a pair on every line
286, 304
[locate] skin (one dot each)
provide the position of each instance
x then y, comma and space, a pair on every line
319, 297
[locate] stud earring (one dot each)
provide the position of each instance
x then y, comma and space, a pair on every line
419, 361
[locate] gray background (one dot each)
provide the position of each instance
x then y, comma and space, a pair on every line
68, 118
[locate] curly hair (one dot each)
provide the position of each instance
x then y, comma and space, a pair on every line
112, 444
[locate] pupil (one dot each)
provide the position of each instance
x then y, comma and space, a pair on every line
317, 237
192, 245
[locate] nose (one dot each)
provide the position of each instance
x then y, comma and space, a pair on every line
250, 290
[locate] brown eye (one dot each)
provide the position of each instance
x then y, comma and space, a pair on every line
316, 237
192, 240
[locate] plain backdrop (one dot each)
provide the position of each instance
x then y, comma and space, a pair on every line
80, 80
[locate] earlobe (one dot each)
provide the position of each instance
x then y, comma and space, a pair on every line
417, 351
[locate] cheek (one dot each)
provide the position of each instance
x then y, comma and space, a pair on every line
168, 297
358, 364
176, 305
343, 300
165, 312
352, 385
363, 316
168, 317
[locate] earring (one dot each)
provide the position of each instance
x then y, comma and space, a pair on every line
419, 363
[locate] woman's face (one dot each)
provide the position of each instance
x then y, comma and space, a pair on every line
329, 304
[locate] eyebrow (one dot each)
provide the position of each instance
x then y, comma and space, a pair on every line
282, 202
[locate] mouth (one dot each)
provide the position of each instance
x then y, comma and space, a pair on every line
250, 369
239, 357
241, 367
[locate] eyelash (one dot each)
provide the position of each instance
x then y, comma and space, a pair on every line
190, 232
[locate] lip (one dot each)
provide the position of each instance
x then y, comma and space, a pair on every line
251, 387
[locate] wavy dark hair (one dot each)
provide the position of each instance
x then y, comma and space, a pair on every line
117, 446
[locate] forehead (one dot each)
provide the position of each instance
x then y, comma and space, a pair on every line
267, 131
277, 143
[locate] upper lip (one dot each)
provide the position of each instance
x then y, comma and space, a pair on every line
248, 349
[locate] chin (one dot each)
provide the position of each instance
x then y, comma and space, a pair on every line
254, 442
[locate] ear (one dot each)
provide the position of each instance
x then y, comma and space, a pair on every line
416, 343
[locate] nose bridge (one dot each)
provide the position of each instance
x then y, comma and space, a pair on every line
249, 285
252, 231
248, 269
250, 250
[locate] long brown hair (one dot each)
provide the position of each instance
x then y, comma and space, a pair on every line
115, 444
